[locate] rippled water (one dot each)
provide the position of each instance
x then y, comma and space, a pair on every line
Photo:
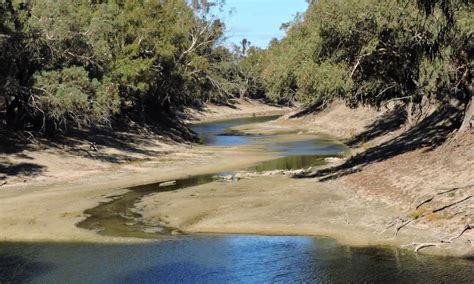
225, 259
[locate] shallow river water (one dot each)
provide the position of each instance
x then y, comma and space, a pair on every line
223, 258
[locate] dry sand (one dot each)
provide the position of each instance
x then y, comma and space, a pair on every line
47, 188
280, 205
49, 211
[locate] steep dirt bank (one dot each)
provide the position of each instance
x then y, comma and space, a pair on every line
424, 167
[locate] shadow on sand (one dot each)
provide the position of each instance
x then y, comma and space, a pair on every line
128, 139
428, 134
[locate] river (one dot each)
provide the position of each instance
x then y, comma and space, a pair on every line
221, 258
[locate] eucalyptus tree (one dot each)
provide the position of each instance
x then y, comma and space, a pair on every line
98, 61
373, 52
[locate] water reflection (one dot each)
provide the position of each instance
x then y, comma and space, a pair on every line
314, 147
289, 163
243, 259
218, 134
18, 268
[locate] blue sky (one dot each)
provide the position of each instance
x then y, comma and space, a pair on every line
259, 20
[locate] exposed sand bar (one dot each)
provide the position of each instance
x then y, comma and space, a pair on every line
279, 205
49, 212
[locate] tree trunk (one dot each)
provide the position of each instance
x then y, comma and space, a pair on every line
468, 116
12, 111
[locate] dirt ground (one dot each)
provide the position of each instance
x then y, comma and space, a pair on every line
73, 159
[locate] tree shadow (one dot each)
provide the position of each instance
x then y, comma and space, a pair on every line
12, 142
428, 134
21, 169
130, 139
18, 269
312, 109
226, 103
389, 122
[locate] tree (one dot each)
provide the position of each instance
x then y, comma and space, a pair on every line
97, 62
372, 52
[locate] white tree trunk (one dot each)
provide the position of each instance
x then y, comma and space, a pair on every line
468, 116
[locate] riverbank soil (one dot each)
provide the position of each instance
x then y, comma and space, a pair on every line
71, 159
424, 166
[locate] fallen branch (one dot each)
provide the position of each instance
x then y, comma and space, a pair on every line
93, 147
424, 202
425, 245
393, 223
404, 225
466, 228
421, 246
442, 193
452, 204
455, 189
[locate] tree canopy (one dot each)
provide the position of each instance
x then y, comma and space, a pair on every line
89, 62
93, 62
371, 52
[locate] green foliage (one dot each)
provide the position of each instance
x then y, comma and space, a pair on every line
89, 62
320, 81
373, 51
70, 95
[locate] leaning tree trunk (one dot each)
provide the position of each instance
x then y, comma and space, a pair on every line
468, 116
468, 84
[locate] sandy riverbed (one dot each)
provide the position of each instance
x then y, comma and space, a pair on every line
281, 205
46, 208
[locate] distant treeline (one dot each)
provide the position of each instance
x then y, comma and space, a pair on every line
370, 52
79, 63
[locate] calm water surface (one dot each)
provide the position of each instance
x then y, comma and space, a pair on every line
218, 133
219, 259
225, 259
